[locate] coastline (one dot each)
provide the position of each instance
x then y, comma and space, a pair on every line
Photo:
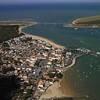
76, 26
49, 84
55, 85
39, 37
72, 64
49, 41
87, 22
55, 89
49, 92
25, 26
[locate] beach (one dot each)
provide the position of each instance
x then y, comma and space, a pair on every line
55, 90
39, 37
83, 77
25, 26
48, 41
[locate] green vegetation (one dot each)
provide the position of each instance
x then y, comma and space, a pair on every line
11, 29
8, 31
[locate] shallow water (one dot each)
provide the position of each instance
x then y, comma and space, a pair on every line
83, 79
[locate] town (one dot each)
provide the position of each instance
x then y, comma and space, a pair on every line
36, 64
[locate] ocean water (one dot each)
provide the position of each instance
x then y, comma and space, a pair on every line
83, 78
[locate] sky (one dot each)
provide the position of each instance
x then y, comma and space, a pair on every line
42, 1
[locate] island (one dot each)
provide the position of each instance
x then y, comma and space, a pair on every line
92, 21
30, 64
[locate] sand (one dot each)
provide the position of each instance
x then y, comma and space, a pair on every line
48, 41
39, 37
53, 91
56, 90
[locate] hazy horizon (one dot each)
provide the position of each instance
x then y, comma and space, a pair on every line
46, 1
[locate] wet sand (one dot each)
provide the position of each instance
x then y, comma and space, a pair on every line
25, 26
57, 89
53, 91
48, 41
39, 37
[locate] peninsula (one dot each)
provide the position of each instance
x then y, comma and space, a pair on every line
92, 21
10, 29
30, 64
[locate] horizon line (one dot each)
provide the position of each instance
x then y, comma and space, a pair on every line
49, 3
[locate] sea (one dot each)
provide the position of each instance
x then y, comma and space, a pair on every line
82, 81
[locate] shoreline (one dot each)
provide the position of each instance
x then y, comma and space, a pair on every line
29, 42
49, 93
55, 85
25, 26
75, 26
72, 64
47, 40
39, 37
